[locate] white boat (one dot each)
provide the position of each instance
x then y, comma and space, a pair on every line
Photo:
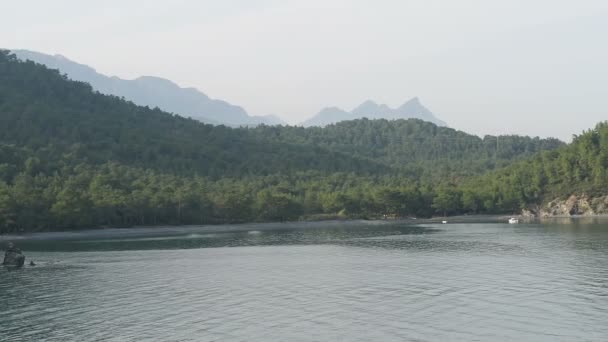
513, 220
444, 222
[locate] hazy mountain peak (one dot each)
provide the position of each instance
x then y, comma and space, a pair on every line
366, 107
412, 108
368, 103
411, 102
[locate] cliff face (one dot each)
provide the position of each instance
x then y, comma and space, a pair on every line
573, 206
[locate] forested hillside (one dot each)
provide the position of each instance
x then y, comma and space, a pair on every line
72, 158
42, 109
581, 168
421, 147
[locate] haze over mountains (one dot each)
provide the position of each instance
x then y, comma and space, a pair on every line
190, 102
153, 92
412, 109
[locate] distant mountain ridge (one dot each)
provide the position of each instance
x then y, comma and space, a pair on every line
153, 92
412, 109
159, 92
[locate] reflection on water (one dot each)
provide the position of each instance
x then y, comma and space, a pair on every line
332, 281
199, 237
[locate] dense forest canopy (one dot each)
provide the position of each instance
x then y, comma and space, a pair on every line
415, 145
579, 168
72, 158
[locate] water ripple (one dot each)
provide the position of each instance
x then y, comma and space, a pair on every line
462, 283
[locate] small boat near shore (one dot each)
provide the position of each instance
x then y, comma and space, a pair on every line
513, 220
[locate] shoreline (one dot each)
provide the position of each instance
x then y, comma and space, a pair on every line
168, 230
162, 230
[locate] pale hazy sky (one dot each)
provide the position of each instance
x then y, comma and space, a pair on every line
537, 67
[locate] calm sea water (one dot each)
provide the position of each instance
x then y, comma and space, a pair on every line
355, 281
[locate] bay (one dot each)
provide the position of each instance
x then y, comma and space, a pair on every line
323, 281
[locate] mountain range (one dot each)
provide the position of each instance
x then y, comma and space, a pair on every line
159, 92
411, 109
153, 92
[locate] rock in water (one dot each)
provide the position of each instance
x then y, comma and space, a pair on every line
13, 258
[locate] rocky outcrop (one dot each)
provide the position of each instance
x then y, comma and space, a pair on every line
529, 213
600, 205
575, 205
13, 258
